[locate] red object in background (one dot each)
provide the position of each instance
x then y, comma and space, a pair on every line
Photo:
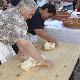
61, 15
78, 10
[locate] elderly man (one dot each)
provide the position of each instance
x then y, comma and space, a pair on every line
13, 30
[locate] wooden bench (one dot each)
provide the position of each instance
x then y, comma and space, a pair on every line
64, 56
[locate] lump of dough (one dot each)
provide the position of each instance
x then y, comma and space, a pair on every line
29, 63
49, 46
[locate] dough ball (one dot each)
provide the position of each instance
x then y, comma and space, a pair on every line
28, 64
49, 46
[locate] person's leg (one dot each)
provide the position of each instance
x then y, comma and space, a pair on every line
30, 50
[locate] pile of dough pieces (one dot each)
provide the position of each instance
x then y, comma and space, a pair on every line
49, 46
29, 63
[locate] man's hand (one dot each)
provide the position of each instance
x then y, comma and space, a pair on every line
43, 34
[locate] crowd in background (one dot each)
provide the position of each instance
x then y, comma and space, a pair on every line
58, 3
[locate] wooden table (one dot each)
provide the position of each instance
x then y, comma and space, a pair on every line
64, 56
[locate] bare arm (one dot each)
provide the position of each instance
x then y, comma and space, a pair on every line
43, 34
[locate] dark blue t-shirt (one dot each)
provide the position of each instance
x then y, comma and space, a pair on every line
15, 2
35, 23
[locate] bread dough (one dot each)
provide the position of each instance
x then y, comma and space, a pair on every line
30, 63
49, 46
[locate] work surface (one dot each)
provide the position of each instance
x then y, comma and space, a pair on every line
64, 57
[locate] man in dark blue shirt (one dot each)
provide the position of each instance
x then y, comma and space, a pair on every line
36, 24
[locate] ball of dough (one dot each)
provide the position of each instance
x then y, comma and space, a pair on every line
49, 46
28, 64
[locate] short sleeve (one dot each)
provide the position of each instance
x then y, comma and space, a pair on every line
12, 26
36, 22
21, 28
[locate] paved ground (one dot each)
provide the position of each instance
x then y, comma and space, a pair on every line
76, 73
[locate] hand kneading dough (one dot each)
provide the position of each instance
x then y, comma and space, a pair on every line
30, 63
49, 46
